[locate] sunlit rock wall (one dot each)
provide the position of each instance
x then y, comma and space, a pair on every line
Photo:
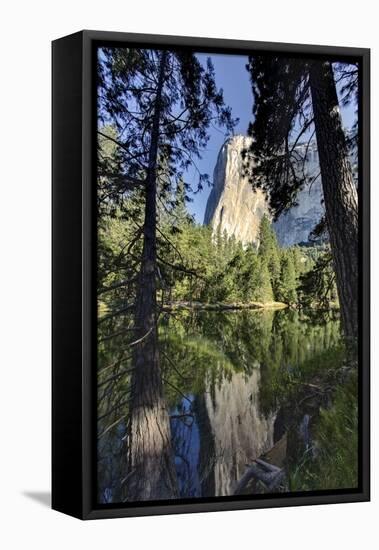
234, 207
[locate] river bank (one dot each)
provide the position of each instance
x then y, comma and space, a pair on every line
222, 306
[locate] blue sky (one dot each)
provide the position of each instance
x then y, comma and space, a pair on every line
231, 75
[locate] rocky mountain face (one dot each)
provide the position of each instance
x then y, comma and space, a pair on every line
294, 226
233, 206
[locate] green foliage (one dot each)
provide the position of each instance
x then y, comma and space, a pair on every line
194, 263
318, 285
283, 119
288, 348
229, 272
128, 89
114, 237
197, 264
269, 252
337, 438
288, 281
301, 339
266, 293
334, 462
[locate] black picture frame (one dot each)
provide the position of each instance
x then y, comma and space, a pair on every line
73, 273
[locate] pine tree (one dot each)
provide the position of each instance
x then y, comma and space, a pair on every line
251, 276
288, 282
265, 288
295, 98
317, 286
161, 104
179, 214
299, 260
269, 251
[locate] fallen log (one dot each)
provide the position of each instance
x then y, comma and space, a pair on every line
269, 474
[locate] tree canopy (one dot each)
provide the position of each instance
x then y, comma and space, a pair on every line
296, 100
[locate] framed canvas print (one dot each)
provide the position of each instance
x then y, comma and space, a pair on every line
210, 274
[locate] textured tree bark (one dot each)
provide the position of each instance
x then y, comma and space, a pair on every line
340, 193
151, 471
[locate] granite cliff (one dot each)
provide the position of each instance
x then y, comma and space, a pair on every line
234, 207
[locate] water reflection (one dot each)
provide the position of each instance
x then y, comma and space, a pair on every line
226, 376
227, 367
240, 432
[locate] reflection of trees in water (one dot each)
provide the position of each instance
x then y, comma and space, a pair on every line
294, 340
113, 390
233, 360
111, 465
230, 366
220, 344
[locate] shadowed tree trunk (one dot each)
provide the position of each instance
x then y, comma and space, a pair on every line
151, 462
340, 193
162, 103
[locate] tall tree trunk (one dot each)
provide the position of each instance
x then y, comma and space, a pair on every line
340, 193
150, 457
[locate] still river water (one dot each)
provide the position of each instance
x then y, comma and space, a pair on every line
224, 374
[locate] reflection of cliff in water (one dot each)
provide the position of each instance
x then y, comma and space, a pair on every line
229, 432
240, 432
226, 377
